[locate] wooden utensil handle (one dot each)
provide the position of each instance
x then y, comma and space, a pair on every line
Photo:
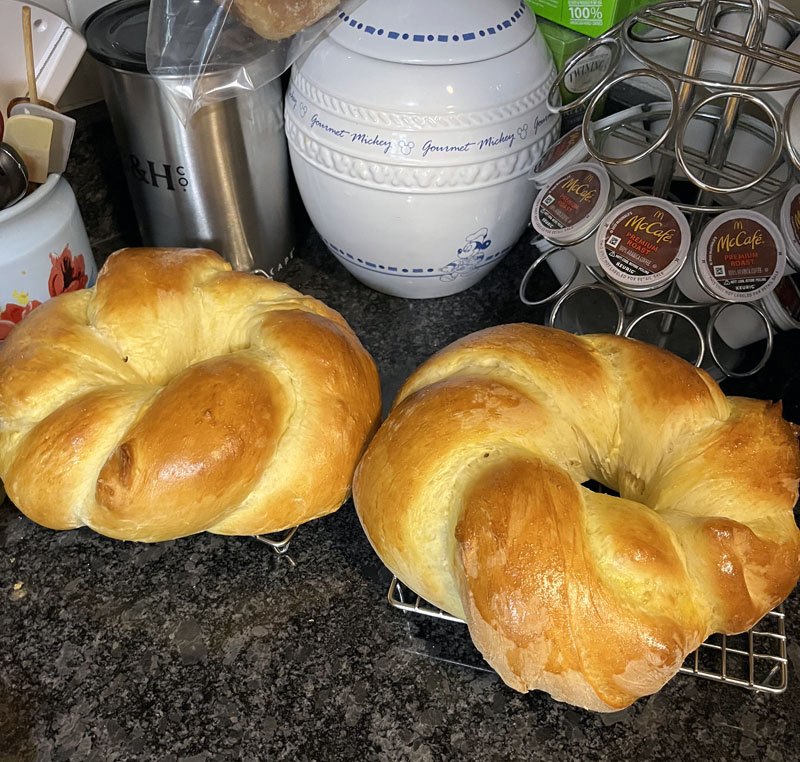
27, 37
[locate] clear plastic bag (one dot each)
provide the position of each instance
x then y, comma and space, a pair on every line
200, 52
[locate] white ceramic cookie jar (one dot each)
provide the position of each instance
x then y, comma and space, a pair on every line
412, 128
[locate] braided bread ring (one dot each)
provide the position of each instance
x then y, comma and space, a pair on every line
177, 396
471, 494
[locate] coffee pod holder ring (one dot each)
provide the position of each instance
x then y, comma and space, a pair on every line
680, 152
720, 183
631, 311
554, 104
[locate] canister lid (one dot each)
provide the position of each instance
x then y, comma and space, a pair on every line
442, 32
116, 34
642, 243
740, 256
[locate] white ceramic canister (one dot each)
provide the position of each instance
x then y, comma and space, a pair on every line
740, 256
412, 128
739, 325
642, 243
568, 210
569, 150
44, 251
789, 224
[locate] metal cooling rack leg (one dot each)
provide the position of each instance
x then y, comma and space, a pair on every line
279, 544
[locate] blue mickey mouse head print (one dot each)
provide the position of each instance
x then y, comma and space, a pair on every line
303, 109
405, 146
523, 131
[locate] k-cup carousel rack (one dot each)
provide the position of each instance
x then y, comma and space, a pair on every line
685, 136
755, 660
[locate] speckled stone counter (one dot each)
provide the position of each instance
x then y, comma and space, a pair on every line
211, 649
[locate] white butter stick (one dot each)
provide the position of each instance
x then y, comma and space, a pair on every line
31, 137
63, 132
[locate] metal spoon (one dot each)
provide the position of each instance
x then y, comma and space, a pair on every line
13, 176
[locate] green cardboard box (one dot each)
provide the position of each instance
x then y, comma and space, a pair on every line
589, 17
563, 44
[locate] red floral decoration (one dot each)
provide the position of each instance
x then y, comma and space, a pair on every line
67, 273
12, 314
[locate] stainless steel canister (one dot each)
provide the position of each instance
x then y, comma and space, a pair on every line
221, 181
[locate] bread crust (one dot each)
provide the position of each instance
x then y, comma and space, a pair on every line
471, 493
278, 19
177, 396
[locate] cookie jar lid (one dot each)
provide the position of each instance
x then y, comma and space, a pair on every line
442, 32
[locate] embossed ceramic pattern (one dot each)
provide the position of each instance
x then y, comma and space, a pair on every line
415, 174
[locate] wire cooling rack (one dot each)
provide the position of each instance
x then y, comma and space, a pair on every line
755, 660
279, 542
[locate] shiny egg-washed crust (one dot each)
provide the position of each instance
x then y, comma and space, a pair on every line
471, 493
278, 19
177, 396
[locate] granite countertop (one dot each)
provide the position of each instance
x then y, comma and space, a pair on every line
209, 648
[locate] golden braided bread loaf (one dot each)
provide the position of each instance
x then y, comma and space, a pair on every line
177, 396
471, 494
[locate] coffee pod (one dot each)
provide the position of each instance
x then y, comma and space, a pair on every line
614, 145
568, 210
642, 244
750, 151
566, 152
789, 224
779, 99
740, 325
719, 64
740, 256
698, 132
